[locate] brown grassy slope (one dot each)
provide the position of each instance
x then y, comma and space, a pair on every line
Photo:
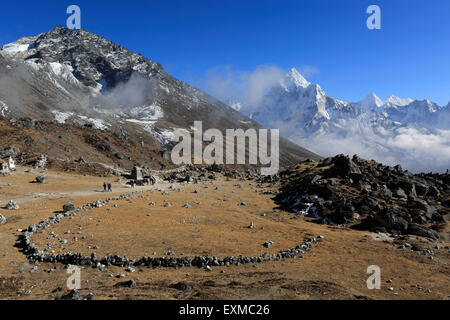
334, 269
63, 144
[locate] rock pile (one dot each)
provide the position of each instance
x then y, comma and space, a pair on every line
10, 151
373, 196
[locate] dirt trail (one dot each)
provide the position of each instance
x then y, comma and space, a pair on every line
54, 193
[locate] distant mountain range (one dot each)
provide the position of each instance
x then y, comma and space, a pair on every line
76, 77
410, 132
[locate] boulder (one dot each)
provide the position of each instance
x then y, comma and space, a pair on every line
41, 179
72, 295
12, 205
446, 203
416, 203
371, 202
390, 220
68, 207
182, 286
119, 156
401, 194
408, 186
127, 284
343, 166
433, 192
383, 193
422, 231
421, 188
324, 191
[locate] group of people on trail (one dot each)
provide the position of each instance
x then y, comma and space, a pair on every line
107, 187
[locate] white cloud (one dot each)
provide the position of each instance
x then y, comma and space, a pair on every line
308, 71
415, 150
229, 84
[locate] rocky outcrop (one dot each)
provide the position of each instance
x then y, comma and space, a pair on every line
343, 190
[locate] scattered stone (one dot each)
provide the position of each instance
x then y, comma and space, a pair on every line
72, 295
91, 296
268, 244
127, 284
41, 179
68, 207
12, 205
2, 219
182, 286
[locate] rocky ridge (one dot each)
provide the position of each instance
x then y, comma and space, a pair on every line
367, 195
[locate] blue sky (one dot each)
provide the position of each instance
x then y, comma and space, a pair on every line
409, 56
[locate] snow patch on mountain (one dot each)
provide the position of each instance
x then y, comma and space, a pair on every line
13, 47
152, 112
236, 105
96, 123
3, 109
61, 117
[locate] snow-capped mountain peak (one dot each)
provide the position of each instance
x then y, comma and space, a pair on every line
371, 101
396, 130
396, 101
293, 79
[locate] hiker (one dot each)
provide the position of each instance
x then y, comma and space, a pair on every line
109, 187
104, 186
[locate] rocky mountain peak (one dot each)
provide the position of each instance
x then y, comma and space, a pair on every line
94, 59
396, 101
293, 79
371, 101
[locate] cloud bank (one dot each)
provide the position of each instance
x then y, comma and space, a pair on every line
416, 150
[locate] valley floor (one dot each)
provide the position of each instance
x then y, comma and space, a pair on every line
215, 222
